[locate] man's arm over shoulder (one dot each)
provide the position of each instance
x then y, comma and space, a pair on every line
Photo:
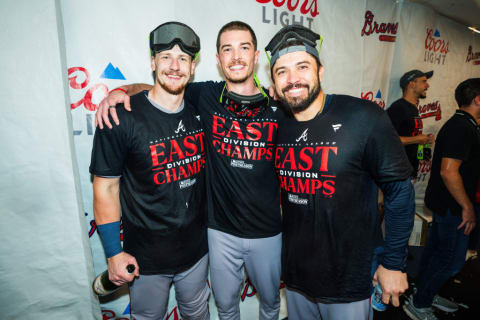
118, 95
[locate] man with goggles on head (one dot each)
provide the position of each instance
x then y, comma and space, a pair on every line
330, 158
244, 222
153, 177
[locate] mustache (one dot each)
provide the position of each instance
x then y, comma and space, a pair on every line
295, 85
237, 61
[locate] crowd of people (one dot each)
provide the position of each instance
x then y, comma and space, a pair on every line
220, 178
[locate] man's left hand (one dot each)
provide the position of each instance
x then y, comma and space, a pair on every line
393, 284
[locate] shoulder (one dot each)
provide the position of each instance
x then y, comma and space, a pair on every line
355, 105
209, 85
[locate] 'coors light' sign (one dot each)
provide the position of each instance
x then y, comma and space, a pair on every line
386, 31
287, 17
436, 49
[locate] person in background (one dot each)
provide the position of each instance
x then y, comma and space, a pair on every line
405, 117
450, 195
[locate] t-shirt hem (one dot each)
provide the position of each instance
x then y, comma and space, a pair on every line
323, 299
178, 269
245, 236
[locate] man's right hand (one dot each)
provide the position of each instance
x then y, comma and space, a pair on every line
468, 220
117, 268
425, 138
108, 105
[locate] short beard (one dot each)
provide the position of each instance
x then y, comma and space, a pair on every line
300, 105
175, 91
241, 80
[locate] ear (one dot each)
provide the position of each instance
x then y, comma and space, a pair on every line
320, 73
153, 63
477, 100
218, 59
257, 54
192, 67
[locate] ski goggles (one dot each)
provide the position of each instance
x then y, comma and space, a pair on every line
167, 35
293, 38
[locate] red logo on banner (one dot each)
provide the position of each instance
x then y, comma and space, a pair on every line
288, 17
110, 315
308, 6
432, 109
384, 29
436, 49
475, 56
376, 99
74, 74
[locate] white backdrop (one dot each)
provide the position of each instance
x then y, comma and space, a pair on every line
368, 45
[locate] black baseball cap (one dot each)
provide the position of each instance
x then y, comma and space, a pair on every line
412, 75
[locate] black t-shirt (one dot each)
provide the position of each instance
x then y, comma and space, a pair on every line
406, 120
161, 160
329, 168
242, 188
459, 138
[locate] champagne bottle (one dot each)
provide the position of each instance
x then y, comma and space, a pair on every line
102, 286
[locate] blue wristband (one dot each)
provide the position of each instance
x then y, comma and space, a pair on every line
110, 234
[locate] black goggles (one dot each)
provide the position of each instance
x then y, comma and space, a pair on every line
293, 34
166, 35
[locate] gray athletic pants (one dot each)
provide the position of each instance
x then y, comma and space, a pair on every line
302, 307
229, 255
149, 294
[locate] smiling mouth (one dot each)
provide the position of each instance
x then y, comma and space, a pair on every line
295, 89
174, 76
236, 67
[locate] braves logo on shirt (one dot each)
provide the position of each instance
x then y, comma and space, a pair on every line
303, 136
181, 127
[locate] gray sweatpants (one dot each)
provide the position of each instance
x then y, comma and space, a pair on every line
149, 294
229, 255
302, 307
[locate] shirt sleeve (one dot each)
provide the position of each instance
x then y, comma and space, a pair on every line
193, 92
385, 156
456, 144
399, 204
397, 118
110, 148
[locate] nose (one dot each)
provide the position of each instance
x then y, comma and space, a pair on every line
292, 76
175, 65
236, 53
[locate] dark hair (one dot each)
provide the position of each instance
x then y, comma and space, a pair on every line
467, 91
236, 25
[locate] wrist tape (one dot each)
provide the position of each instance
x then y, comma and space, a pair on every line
110, 235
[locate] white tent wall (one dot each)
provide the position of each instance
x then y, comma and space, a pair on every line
67, 54
46, 265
